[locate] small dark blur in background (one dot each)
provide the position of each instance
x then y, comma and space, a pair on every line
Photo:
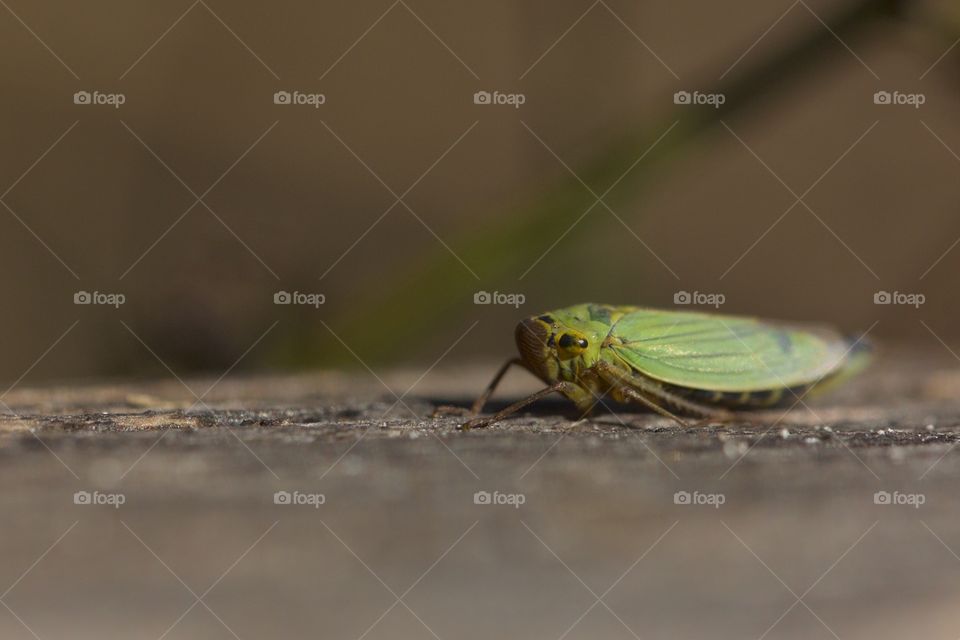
400, 198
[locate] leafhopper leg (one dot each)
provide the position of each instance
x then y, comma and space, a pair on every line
482, 400
560, 387
640, 389
633, 394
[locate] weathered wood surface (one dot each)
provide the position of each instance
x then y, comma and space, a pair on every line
798, 519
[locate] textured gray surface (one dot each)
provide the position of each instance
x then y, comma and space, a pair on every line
598, 518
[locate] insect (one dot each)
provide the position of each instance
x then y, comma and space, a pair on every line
697, 364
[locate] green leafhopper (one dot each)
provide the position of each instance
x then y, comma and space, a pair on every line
693, 363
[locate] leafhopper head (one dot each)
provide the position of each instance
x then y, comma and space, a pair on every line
547, 345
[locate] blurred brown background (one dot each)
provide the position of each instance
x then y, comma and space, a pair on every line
292, 188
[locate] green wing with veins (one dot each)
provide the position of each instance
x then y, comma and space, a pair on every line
724, 353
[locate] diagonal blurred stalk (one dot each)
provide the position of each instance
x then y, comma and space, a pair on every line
504, 249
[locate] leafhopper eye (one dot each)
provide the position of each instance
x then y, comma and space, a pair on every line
567, 341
